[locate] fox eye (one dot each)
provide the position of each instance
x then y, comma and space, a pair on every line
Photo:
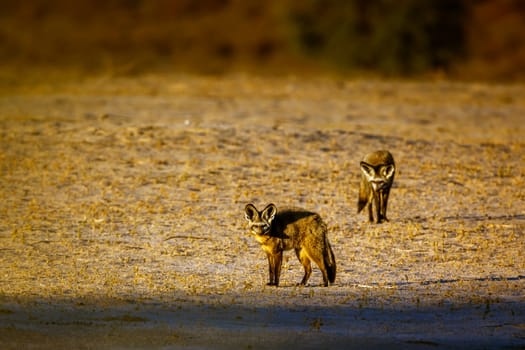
367, 169
388, 171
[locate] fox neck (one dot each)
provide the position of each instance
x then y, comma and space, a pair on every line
262, 239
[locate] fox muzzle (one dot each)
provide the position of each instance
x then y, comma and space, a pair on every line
260, 229
377, 185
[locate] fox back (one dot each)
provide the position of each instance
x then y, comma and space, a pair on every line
378, 171
297, 229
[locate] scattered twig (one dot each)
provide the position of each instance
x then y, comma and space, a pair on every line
183, 237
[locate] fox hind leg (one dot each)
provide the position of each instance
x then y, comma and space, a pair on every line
305, 261
324, 271
317, 257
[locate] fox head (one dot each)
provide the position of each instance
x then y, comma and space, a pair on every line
260, 222
379, 176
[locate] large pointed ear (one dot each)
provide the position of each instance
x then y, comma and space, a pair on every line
367, 170
268, 214
389, 170
250, 212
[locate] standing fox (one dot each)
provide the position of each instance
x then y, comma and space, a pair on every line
378, 170
296, 229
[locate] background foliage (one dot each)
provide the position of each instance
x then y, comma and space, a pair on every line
460, 38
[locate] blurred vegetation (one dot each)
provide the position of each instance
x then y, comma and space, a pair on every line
405, 36
480, 39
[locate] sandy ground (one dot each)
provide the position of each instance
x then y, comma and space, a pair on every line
122, 219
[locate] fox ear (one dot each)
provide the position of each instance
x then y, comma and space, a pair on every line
389, 171
269, 212
250, 212
367, 170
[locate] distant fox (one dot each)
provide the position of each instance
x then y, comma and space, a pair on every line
288, 229
378, 170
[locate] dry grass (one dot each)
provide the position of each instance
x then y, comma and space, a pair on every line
130, 192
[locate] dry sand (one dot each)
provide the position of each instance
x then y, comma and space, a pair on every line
122, 213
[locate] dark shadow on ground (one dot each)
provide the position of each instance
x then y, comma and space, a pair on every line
201, 324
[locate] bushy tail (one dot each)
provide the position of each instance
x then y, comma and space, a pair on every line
364, 193
329, 262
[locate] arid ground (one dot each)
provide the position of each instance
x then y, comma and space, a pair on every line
122, 224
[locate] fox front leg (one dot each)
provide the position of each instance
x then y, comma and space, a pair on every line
370, 212
375, 202
370, 205
383, 202
274, 262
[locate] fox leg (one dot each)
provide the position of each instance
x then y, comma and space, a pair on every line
305, 261
327, 264
371, 202
377, 203
278, 264
383, 201
370, 212
324, 271
316, 255
271, 271
274, 262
